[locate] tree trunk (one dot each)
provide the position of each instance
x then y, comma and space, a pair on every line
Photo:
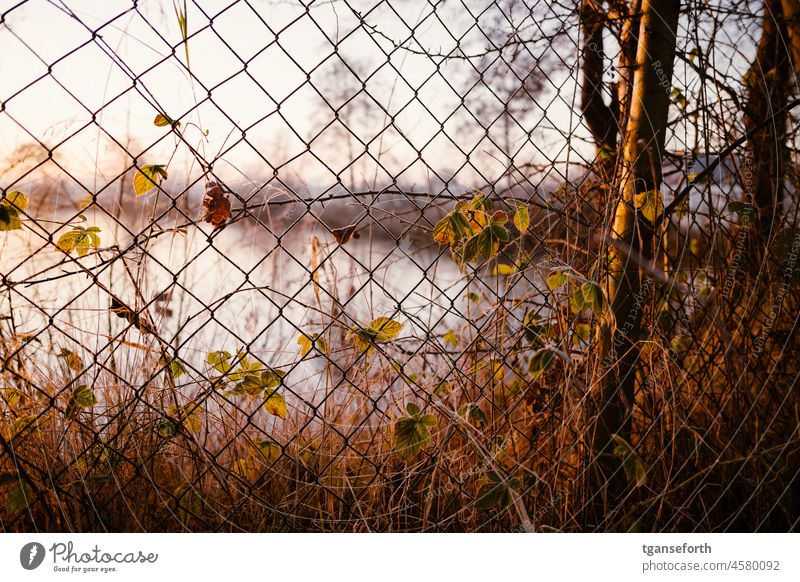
628, 285
601, 119
767, 92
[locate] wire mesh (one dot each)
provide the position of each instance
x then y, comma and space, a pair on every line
232, 298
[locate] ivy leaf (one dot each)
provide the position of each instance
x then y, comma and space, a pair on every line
308, 342
452, 229
82, 397
541, 361
635, 468
385, 328
521, 219
147, 178
176, 369
494, 493
650, 204
382, 329
72, 360
219, 361
268, 449
79, 239
411, 433
163, 120
17, 497
275, 404
451, 338
559, 277
10, 206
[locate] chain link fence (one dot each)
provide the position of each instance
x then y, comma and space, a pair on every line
338, 266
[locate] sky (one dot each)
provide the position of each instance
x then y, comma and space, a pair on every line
275, 70
317, 92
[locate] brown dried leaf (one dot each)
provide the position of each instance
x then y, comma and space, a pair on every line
344, 234
216, 205
123, 311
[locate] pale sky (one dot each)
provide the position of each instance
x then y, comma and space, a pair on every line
283, 44
297, 61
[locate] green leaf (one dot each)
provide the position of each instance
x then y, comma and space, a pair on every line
504, 269
17, 498
494, 493
559, 277
82, 397
451, 338
79, 239
582, 332
382, 329
72, 360
521, 219
473, 413
411, 433
176, 369
681, 343
269, 449
219, 360
412, 409
541, 361
451, 229
481, 202
635, 468
588, 296
253, 383
744, 212
10, 207
166, 428
486, 243
24, 426
147, 178
275, 404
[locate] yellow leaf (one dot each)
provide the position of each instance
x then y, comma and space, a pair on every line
386, 329
307, 342
503, 269
86, 200
147, 178
521, 219
67, 241
649, 204
275, 404
10, 206
162, 120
